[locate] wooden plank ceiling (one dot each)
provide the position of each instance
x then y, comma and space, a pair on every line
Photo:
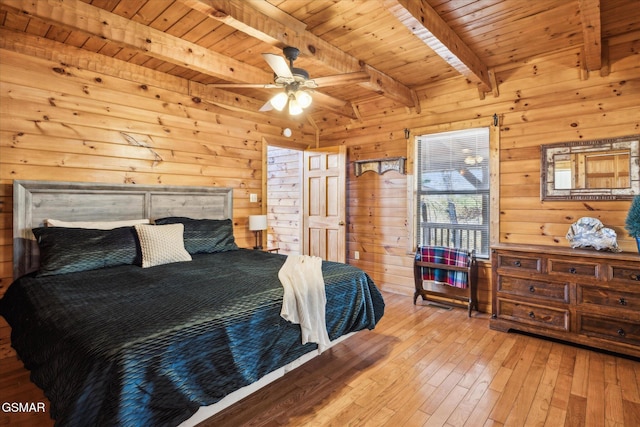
368, 51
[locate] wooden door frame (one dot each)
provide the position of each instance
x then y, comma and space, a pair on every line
301, 149
340, 225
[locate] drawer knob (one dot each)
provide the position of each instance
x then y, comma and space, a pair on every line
532, 315
621, 332
532, 289
572, 270
517, 263
622, 301
634, 276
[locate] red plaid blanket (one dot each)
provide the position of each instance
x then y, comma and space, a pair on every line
446, 256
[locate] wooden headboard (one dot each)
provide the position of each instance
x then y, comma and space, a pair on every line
35, 201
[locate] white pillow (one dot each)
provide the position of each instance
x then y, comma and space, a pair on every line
161, 244
99, 225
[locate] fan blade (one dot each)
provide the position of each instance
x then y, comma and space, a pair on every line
342, 79
278, 64
309, 84
247, 85
336, 105
328, 100
266, 107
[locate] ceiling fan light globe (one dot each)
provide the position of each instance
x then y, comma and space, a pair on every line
294, 108
303, 98
279, 101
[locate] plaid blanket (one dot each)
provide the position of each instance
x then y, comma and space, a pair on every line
446, 256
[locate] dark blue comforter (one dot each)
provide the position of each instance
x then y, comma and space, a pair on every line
141, 347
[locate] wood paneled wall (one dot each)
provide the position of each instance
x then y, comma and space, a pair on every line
69, 115
85, 118
284, 200
541, 101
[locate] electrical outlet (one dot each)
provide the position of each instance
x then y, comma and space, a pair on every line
356, 255
253, 198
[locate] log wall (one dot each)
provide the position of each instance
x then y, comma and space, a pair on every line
70, 115
541, 101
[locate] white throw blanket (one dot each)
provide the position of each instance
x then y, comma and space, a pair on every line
304, 298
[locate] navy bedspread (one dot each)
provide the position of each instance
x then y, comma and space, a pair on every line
140, 347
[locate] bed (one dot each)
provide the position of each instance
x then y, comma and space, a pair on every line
113, 341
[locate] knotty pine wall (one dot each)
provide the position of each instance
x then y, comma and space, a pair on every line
67, 115
542, 100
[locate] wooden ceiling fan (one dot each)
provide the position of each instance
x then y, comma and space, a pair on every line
295, 84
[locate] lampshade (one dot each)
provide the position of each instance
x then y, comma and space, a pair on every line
303, 98
257, 222
294, 107
298, 100
279, 101
473, 160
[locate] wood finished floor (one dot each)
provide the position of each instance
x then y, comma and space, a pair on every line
424, 365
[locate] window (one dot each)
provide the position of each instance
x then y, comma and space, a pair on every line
452, 170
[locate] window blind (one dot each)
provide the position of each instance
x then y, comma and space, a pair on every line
453, 189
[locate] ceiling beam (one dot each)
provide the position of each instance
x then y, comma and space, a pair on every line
591, 33
80, 16
342, 79
242, 16
425, 23
76, 63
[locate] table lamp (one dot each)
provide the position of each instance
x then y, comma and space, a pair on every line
257, 223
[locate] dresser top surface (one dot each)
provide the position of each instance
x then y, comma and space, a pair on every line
566, 251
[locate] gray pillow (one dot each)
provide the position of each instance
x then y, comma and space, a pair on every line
204, 235
67, 250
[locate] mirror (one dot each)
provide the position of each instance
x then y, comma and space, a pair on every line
605, 169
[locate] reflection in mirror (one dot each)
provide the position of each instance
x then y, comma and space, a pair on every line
563, 174
591, 170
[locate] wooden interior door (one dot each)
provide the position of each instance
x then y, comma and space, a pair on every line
324, 230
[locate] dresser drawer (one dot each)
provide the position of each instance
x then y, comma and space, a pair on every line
625, 274
588, 297
609, 297
609, 328
533, 289
550, 318
573, 268
516, 262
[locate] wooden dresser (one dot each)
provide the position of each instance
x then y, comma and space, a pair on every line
581, 296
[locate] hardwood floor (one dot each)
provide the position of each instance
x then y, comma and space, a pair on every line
425, 365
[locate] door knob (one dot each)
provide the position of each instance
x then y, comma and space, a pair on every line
341, 223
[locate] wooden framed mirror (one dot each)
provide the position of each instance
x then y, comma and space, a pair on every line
603, 169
